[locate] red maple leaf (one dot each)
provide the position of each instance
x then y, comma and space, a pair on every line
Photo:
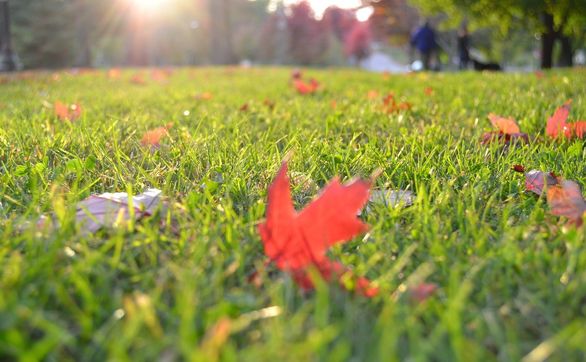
504, 125
580, 129
508, 130
556, 124
61, 110
153, 137
67, 112
296, 241
303, 87
205, 96
392, 106
536, 181
138, 79
566, 200
114, 73
372, 94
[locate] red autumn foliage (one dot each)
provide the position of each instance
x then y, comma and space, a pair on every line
205, 96
308, 37
508, 131
504, 125
577, 129
67, 112
296, 241
391, 105
61, 110
138, 79
536, 181
556, 124
372, 94
519, 168
303, 87
357, 41
114, 73
160, 75
580, 129
153, 137
566, 200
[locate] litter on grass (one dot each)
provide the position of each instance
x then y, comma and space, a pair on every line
110, 210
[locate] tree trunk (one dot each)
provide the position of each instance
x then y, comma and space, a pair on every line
8, 59
221, 32
566, 58
83, 51
547, 41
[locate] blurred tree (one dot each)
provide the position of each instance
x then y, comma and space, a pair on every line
221, 31
65, 33
393, 20
274, 37
38, 36
246, 38
357, 41
355, 36
308, 37
551, 19
339, 21
59, 33
8, 59
86, 26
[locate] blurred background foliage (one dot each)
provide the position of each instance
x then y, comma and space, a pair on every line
83, 33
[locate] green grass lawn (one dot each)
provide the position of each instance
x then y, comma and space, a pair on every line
511, 277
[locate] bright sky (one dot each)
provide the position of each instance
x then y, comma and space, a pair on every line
319, 6
149, 5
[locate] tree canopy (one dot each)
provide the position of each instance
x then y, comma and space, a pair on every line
551, 19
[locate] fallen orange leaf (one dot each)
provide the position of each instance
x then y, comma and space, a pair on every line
153, 137
566, 200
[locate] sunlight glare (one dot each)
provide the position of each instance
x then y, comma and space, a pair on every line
363, 14
319, 6
149, 5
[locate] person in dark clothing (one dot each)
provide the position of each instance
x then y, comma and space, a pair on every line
463, 46
424, 41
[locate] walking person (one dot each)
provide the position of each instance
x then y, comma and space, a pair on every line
424, 40
463, 46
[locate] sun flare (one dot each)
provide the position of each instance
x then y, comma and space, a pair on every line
149, 5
